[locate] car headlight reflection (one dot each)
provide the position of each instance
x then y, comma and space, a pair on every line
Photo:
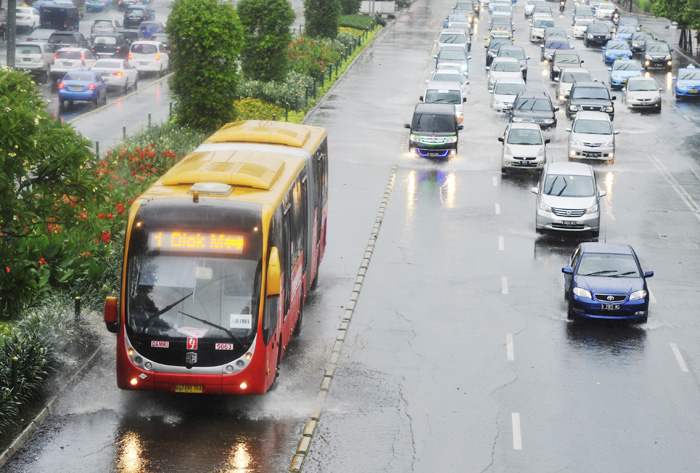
636, 295
581, 292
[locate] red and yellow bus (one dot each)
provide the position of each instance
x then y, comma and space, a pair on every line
219, 257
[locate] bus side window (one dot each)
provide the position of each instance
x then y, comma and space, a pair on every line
270, 318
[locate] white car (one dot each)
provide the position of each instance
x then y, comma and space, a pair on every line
642, 93
445, 92
591, 136
567, 77
117, 73
580, 27
503, 67
605, 11
449, 75
504, 92
454, 37
524, 147
149, 56
530, 7
70, 59
35, 58
28, 18
537, 25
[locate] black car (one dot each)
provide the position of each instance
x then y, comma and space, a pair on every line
110, 45
434, 131
596, 34
135, 14
563, 58
590, 96
553, 44
67, 39
638, 41
494, 45
132, 35
534, 107
657, 54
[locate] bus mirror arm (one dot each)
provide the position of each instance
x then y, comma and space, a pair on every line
273, 273
111, 313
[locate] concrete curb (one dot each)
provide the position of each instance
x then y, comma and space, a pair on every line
41, 417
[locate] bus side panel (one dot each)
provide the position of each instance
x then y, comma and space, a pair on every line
295, 301
314, 251
322, 243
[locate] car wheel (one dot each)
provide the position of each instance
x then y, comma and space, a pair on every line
104, 98
126, 86
136, 83
569, 312
61, 104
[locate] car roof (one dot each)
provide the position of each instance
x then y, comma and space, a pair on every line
436, 108
443, 84
597, 85
564, 167
510, 80
600, 247
525, 126
591, 115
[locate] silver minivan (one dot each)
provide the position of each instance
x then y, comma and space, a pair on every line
34, 57
445, 92
568, 198
592, 136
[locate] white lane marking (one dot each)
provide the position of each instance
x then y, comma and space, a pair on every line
679, 358
652, 299
509, 347
501, 243
504, 285
517, 437
498, 209
680, 190
495, 181
611, 215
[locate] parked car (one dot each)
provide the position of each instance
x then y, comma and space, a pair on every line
81, 85
70, 59
657, 54
622, 70
34, 57
534, 107
149, 28
642, 93
117, 73
606, 281
687, 82
67, 39
135, 14
101, 5
434, 131
524, 147
110, 45
568, 198
149, 56
505, 91
567, 77
28, 18
590, 96
591, 136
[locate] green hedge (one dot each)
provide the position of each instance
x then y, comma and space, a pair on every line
360, 22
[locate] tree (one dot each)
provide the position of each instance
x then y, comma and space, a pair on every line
206, 40
266, 32
45, 169
350, 7
321, 18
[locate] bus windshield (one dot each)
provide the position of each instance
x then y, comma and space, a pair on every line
183, 295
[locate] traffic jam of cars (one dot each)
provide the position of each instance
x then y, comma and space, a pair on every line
602, 280
85, 67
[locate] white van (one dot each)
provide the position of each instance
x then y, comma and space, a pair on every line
445, 92
149, 56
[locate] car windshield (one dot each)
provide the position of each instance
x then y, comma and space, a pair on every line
562, 185
452, 38
617, 45
556, 44
566, 59
626, 29
451, 55
496, 43
508, 89
626, 66
516, 53
442, 96
640, 85
574, 76
583, 23
538, 105
593, 127
79, 76
69, 55
689, 74
434, 123
106, 64
519, 136
105, 40
505, 66
447, 77
144, 48
658, 48
597, 28
180, 296
590, 93
542, 23
608, 265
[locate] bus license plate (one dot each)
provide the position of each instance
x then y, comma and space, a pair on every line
189, 388
611, 307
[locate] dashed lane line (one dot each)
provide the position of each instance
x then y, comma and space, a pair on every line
510, 349
679, 358
517, 436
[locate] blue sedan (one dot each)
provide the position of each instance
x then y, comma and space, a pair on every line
615, 49
625, 32
606, 281
102, 5
82, 85
687, 82
623, 69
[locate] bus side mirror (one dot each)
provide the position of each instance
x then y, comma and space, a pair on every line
111, 313
273, 273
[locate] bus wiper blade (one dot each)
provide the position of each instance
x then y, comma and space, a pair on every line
163, 311
211, 324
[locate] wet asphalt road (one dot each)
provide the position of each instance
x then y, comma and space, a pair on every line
459, 356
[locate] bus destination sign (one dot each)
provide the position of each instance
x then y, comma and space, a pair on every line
196, 242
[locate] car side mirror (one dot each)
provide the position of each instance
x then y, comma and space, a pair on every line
488, 68
610, 68
616, 133
500, 138
460, 127
407, 125
464, 99
469, 58
556, 79
567, 129
567, 270
614, 97
534, 190
602, 193
435, 56
648, 274
556, 109
547, 141
420, 98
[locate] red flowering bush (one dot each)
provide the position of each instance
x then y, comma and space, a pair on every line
312, 57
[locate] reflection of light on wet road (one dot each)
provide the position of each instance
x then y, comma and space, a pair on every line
669, 81
411, 191
609, 180
130, 457
448, 190
240, 460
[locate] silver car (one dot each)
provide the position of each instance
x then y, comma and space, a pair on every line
524, 147
34, 57
502, 67
568, 198
642, 93
567, 77
453, 56
591, 136
504, 92
454, 37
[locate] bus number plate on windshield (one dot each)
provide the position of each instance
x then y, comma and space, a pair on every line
189, 388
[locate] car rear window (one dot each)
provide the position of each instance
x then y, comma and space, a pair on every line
77, 75
28, 49
103, 23
144, 48
61, 38
105, 40
69, 55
